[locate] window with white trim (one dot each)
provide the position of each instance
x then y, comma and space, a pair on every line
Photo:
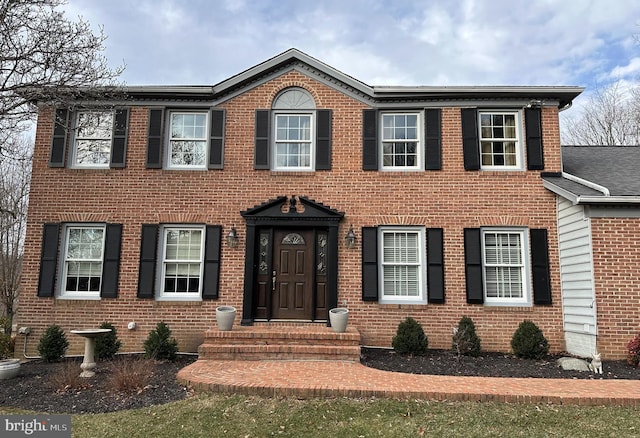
182, 251
505, 254
92, 139
294, 147
401, 141
82, 255
188, 140
402, 264
500, 140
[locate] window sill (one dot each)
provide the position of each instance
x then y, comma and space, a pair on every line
160, 302
401, 305
299, 173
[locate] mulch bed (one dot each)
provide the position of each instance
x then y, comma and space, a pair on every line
35, 389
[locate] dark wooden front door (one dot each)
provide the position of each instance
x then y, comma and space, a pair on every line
293, 269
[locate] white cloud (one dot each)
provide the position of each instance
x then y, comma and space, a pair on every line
631, 69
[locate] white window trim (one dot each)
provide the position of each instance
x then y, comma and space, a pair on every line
420, 150
312, 148
178, 296
74, 143
61, 292
519, 140
167, 146
422, 277
525, 300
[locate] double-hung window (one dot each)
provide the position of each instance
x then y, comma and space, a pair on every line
401, 141
500, 140
294, 148
182, 262
93, 139
187, 143
402, 256
83, 252
505, 255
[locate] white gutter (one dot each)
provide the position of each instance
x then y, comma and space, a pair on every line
588, 199
584, 182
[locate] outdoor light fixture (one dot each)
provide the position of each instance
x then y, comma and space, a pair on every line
350, 238
232, 238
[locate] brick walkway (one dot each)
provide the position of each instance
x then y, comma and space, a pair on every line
351, 379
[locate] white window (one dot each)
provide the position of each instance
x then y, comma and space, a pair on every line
505, 266
500, 140
402, 255
182, 262
187, 145
93, 138
83, 252
401, 141
293, 141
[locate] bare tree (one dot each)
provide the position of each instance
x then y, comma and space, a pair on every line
45, 57
610, 117
14, 193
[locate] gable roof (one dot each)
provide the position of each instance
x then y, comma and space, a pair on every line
598, 175
294, 59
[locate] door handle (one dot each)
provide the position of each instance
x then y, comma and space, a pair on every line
273, 282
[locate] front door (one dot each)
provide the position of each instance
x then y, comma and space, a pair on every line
293, 274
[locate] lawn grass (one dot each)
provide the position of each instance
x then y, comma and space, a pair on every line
245, 416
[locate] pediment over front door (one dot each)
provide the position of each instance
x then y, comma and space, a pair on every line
287, 208
291, 260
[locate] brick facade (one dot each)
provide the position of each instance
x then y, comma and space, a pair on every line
451, 198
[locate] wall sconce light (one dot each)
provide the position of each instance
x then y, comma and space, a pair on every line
350, 238
232, 238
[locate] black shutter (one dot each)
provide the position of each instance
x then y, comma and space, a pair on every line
48, 260
147, 270
111, 264
435, 265
535, 151
216, 142
323, 139
119, 145
59, 139
369, 139
433, 140
470, 145
261, 152
154, 139
369, 264
473, 265
211, 281
540, 266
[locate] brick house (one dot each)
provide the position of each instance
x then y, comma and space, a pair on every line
134, 203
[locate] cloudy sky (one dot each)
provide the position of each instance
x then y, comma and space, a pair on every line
586, 43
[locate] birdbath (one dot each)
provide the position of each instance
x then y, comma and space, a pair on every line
89, 335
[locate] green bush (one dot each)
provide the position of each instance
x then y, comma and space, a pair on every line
7, 344
410, 338
528, 341
53, 344
160, 345
633, 351
465, 338
108, 344
5, 325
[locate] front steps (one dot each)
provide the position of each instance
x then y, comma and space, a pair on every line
281, 341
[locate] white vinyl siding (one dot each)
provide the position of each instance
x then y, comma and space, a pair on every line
576, 276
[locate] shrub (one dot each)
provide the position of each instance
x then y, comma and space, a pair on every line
410, 338
108, 344
528, 341
66, 377
159, 344
53, 344
465, 338
129, 375
633, 351
5, 325
7, 345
